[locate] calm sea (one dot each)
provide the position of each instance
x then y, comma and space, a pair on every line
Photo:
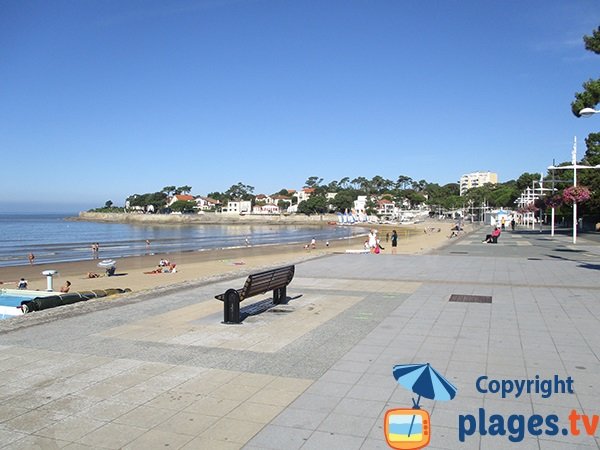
52, 238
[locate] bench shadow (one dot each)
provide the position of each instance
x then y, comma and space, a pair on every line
265, 305
589, 266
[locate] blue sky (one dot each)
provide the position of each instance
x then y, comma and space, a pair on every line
102, 99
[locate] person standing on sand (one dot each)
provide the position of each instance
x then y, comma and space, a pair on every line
31, 258
372, 240
394, 242
22, 284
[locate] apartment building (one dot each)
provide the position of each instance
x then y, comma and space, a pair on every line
476, 179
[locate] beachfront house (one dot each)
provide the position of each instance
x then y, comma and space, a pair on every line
206, 203
282, 202
180, 198
360, 204
304, 194
238, 207
262, 199
265, 209
386, 207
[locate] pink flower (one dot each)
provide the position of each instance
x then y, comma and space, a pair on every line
554, 201
576, 194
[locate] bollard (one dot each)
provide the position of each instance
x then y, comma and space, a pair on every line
231, 307
49, 274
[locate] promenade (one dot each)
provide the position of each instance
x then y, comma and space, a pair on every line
162, 372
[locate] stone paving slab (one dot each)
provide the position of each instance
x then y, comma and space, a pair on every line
163, 372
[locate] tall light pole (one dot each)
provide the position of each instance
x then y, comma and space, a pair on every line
574, 166
588, 112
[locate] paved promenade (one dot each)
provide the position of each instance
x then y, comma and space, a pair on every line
161, 371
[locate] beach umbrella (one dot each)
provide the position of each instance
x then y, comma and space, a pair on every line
107, 263
425, 381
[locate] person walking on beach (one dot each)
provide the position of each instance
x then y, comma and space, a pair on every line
313, 243
372, 240
31, 258
394, 242
95, 248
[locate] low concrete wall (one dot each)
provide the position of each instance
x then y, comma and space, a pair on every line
208, 218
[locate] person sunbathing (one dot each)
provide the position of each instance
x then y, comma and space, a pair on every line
65, 287
92, 275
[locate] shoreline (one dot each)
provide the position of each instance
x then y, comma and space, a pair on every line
208, 218
194, 266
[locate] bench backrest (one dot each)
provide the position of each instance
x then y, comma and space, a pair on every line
259, 283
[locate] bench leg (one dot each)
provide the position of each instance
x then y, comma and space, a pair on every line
279, 295
231, 307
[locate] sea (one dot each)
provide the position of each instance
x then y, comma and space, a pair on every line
54, 238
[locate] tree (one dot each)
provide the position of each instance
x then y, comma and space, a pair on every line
283, 204
344, 182
313, 182
156, 199
363, 184
403, 182
591, 178
183, 189
240, 191
590, 96
184, 206
168, 190
380, 184
316, 204
526, 180
414, 198
108, 204
344, 200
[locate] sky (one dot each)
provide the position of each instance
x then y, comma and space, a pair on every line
101, 99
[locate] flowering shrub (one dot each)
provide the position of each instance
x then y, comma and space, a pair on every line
576, 194
531, 208
554, 201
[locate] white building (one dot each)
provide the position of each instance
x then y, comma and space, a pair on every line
206, 203
238, 207
269, 208
477, 179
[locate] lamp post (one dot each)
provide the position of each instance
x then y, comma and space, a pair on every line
575, 166
588, 112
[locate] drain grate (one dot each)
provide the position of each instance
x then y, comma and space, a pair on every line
470, 298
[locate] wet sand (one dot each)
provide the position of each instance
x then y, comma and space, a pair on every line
195, 266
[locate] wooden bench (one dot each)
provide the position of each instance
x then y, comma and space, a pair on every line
275, 280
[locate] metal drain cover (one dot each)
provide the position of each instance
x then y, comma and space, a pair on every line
470, 298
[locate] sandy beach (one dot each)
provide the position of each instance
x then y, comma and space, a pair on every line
196, 266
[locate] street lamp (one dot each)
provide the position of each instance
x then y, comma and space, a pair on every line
575, 166
588, 112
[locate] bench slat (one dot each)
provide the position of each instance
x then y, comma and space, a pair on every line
259, 283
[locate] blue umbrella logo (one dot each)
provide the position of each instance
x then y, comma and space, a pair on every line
425, 381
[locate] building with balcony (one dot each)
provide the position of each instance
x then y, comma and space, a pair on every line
477, 179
